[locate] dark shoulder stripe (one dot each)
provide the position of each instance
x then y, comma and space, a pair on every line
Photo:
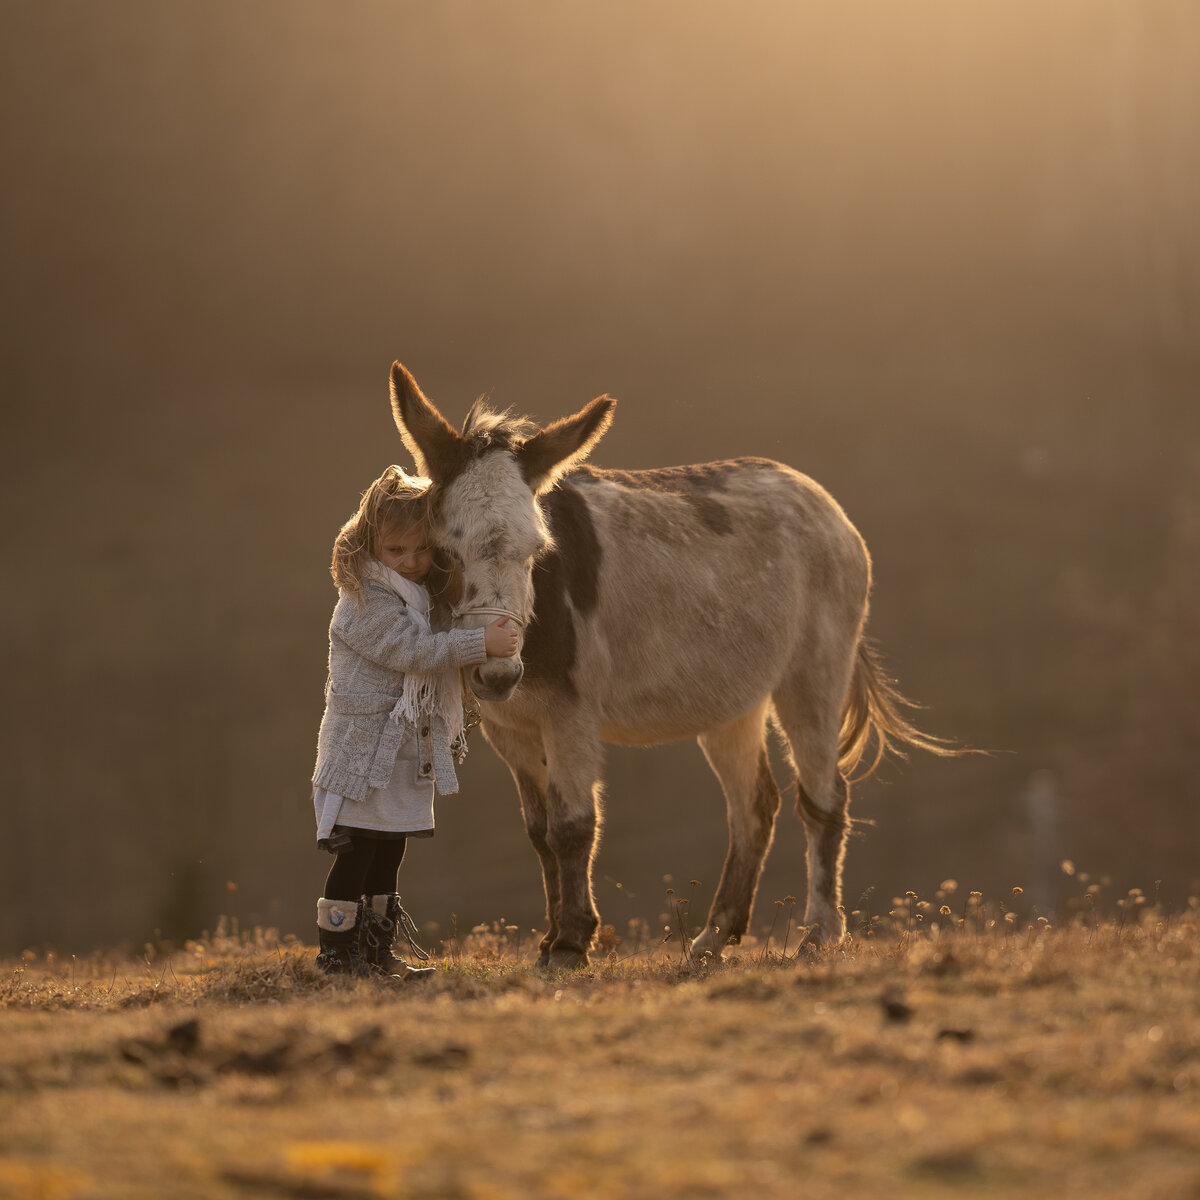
571, 570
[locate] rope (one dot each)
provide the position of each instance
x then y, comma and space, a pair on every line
491, 612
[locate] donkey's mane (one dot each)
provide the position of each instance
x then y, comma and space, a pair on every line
486, 428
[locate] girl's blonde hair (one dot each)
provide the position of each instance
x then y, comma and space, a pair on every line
394, 499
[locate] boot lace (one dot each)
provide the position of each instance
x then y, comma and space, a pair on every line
381, 930
408, 930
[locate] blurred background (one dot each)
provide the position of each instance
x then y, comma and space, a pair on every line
943, 258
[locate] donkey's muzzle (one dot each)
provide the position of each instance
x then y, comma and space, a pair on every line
496, 679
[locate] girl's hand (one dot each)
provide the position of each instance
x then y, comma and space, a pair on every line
499, 641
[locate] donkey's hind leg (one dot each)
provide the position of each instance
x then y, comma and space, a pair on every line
812, 725
525, 757
737, 753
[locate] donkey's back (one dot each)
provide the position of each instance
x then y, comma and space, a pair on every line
686, 594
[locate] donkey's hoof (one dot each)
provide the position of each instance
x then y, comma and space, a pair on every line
568, 958
815, 937
710, 944
811, 939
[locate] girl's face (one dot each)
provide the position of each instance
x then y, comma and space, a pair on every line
405, 550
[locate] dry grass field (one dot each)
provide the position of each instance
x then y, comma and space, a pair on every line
954, 1046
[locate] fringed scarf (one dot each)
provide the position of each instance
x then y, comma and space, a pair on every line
424, 695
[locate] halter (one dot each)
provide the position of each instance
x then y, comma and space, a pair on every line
471, 714
491, 612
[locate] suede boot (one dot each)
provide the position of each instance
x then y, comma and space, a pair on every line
339, 934
383, 920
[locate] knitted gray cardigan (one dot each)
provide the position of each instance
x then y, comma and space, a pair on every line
371, 646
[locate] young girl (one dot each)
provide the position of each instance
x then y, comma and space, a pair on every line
393, 722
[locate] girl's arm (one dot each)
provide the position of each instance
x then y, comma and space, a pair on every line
381, 630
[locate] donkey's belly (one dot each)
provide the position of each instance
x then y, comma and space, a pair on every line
623, 735
642, 707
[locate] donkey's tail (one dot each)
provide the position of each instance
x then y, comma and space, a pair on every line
873, 714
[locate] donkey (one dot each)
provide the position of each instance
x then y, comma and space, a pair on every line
697, 601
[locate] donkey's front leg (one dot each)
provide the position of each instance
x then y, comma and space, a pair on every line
573, 821
526, 759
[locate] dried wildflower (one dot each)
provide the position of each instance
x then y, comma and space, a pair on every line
944, 910
1018, 891
607, 939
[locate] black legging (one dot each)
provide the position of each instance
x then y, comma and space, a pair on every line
367, 868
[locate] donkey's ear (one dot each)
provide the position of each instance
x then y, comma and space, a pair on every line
433, 442
558, 447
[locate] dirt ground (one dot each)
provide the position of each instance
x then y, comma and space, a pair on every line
929, 1056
